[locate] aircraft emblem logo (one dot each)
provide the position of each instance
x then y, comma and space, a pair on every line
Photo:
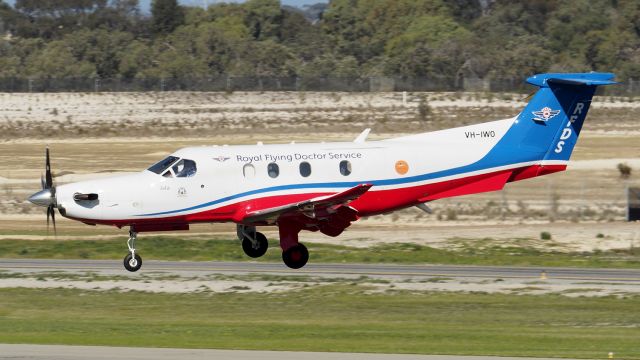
221, 158
545, 114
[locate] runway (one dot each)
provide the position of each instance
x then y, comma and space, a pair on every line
59, 352
343, 270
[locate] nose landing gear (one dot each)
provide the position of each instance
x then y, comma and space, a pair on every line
133, 261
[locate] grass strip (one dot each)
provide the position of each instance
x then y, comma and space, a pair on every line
338, 317
171, 248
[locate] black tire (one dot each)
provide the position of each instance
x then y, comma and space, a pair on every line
296, 257
262, 242
130, 265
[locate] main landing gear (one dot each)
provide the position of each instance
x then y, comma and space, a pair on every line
255, 244
133, 261
296, 256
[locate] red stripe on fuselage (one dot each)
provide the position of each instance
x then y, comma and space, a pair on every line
370, 203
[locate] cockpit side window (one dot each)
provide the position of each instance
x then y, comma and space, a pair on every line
185, 168
162, 165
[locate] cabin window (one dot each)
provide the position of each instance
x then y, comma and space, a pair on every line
305, 169
248, 171
184, 168
273, 170
163, 165
345, 167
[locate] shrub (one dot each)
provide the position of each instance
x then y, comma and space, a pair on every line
625, 170
545, 235
424, 110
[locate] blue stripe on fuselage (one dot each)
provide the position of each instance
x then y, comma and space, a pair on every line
498, 156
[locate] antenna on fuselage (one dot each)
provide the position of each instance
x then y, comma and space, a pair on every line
363, 136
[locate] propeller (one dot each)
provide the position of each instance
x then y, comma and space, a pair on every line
47, 196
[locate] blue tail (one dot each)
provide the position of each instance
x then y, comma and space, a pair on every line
550, 124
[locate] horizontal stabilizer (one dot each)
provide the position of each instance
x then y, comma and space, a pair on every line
593, 79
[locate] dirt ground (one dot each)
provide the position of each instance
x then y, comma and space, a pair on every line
99, 134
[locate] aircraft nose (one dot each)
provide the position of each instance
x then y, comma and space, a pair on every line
42, 198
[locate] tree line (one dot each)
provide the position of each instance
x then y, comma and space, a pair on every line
349, 38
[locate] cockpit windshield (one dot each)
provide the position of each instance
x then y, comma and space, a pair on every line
174, 167
163, 164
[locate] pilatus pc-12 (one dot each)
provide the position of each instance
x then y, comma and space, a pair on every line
327, 186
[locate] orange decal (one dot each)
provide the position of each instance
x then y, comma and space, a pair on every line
402, 167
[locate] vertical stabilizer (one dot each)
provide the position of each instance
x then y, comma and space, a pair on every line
550, 124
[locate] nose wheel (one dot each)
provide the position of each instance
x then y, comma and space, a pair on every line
133, 261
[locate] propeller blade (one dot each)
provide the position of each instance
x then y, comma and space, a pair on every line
51, 213
42, 181
48, 176
48, 213
53, 220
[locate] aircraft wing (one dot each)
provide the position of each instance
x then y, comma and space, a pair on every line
320, 208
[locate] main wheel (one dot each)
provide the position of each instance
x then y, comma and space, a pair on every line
296, 257
261, 246
132, 264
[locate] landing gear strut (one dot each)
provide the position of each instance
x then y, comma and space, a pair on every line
254, 243
294, 254
133, 261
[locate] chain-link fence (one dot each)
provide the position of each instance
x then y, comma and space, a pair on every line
239, 83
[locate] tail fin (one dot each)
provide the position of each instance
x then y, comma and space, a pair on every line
550, 124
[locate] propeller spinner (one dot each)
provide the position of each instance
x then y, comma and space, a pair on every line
47, 196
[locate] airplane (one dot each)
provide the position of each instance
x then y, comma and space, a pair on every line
327, 186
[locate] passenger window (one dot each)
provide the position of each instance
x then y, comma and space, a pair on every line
345, 167
305, 169
273, 170
248, 171
184, 168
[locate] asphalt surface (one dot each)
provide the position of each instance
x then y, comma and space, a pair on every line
451, 271
57, 352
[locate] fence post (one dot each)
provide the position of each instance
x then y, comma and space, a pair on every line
96, 85
161, 84
30, 85
228, 83
297, 83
